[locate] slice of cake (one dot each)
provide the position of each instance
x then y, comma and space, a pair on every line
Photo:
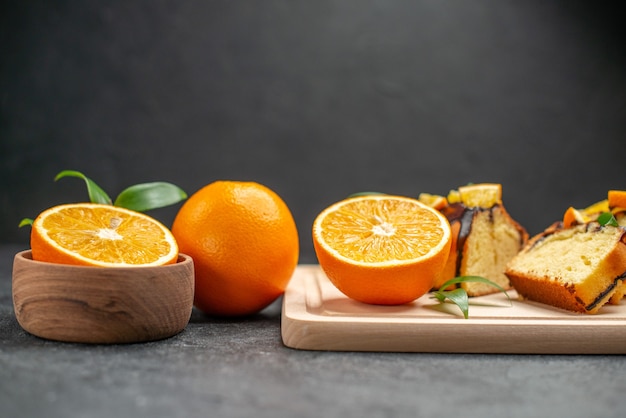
578, 268
615, 203
484, 237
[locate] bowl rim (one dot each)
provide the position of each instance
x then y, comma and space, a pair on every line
26, 256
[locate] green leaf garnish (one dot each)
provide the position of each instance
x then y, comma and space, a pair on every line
607, 218
140, 197
25, 221
147, 196
459, 296
96, 194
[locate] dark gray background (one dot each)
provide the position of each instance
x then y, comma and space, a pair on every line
315, 99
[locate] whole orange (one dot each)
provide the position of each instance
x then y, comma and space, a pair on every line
244, 244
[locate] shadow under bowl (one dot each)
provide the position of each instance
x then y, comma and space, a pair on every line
102, 305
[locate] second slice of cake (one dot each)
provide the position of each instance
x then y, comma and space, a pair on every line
577, 268
484, 237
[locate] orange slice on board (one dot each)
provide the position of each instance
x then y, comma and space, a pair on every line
382, 249
101, 235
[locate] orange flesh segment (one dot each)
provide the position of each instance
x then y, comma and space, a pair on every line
370, 231
106, 235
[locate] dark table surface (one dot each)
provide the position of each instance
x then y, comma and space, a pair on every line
240, 368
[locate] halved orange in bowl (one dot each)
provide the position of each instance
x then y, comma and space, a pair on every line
101, 235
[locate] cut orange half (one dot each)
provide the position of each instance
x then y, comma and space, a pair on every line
101, 235
382, 249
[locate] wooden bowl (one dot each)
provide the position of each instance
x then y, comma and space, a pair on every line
102, 305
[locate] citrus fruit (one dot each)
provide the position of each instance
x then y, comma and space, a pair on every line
454, 197
573, 217
617, 199
596, 208
484, 195
615, 203
384, 250
244, 243
433, 200
101, 235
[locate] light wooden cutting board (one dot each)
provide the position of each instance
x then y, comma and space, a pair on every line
316, 316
